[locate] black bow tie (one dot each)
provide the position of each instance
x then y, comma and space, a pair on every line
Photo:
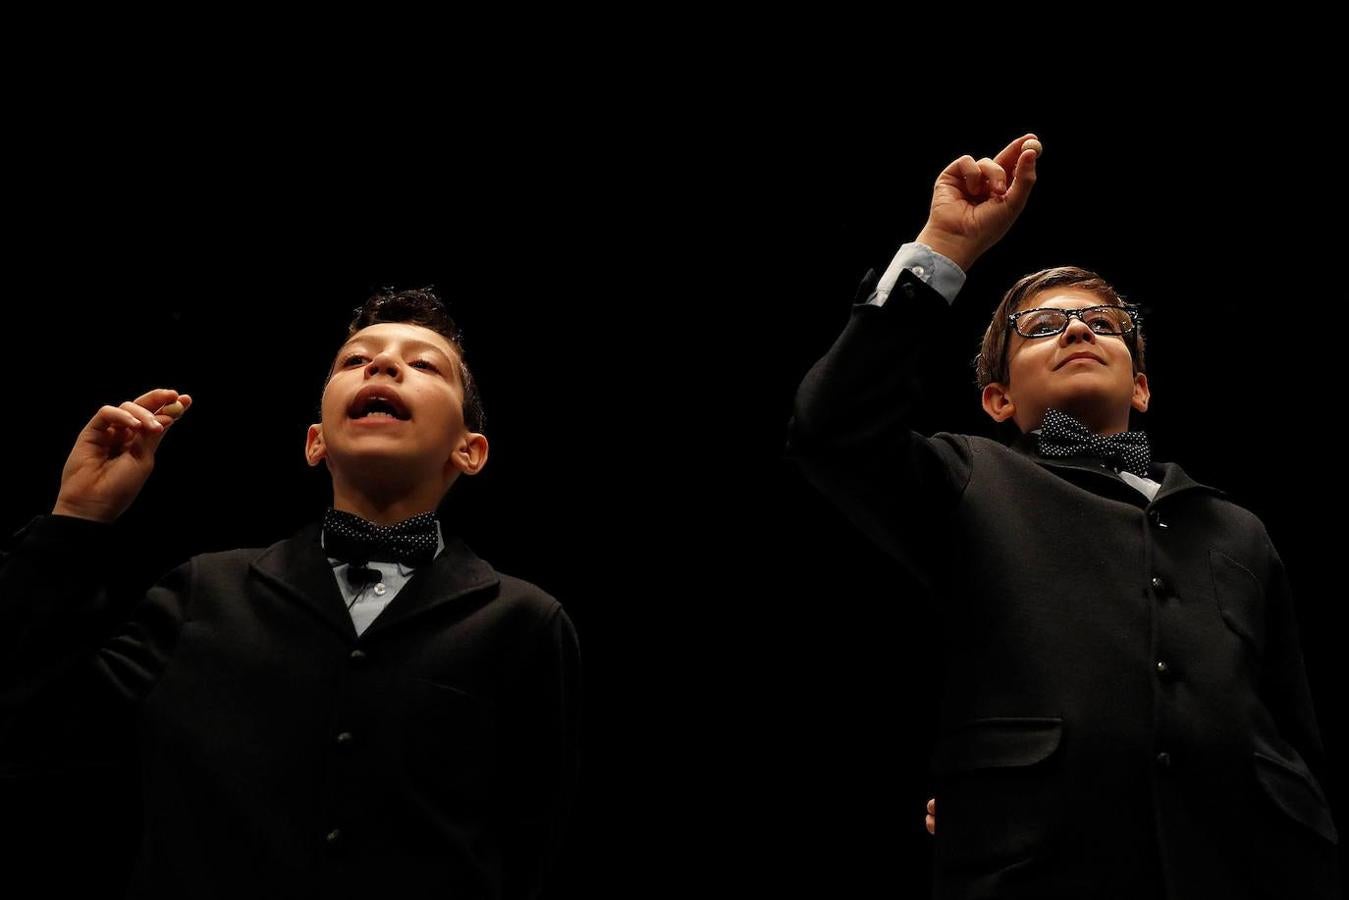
1062, 435
354, 540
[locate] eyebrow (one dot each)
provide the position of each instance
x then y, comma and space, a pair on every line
411, 342
1062, 308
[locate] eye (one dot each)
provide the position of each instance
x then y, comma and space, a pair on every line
1041, 322
420, 362
1107, 321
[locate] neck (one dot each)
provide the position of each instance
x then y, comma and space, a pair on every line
382, 511
1095, 423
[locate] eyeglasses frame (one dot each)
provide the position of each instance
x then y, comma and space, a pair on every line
1131, 308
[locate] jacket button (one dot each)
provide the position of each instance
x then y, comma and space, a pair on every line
333, 837
346, 736
909, 291
1164, 760
358, 655
1162, 668
1155, 518
1158, 584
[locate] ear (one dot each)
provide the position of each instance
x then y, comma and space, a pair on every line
314, 449
470, 454
1139, 401
997, 402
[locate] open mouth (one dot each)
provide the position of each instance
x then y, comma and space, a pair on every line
379, 408
377, 419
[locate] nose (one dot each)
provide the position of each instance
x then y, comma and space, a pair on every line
384, 361
1076, 330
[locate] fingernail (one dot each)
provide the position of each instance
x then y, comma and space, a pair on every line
156, 426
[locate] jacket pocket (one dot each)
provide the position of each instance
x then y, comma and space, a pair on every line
1241, 599
447, 741
1000, 785
997, 742
1293, 789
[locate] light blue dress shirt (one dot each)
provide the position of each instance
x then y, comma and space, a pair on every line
368, 601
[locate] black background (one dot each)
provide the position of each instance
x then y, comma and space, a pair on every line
642, 286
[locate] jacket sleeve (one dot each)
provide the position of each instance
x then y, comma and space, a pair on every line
74, 659
541, 777
1283, 681
851, 431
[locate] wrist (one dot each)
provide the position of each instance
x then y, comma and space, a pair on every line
962, 256
66, 509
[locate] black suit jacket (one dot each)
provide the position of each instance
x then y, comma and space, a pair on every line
1124, 701
279, 753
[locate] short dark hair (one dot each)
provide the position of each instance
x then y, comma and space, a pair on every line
422, 306
990, 364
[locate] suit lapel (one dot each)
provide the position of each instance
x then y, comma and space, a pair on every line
298, 568
454, 574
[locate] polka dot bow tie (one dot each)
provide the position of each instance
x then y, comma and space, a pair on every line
1062, 435
355, 540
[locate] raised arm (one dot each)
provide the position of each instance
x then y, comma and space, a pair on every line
851, 429
68, 653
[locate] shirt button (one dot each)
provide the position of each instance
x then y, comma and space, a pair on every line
1164, 760
345, 737
380, 589
358, 655
918, 270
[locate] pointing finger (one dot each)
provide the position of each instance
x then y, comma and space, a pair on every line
143, 416
1024, 178
1007, 157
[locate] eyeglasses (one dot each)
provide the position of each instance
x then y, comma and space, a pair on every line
1048, 321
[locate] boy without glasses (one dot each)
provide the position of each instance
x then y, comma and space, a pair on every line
363, 709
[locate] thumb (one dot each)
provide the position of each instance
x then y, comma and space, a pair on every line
165, 417
1023, 179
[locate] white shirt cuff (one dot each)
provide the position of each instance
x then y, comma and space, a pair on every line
939, 271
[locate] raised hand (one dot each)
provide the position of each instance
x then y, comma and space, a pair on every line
115, 453
975, 202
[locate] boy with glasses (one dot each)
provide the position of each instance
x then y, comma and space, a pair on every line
1125, 712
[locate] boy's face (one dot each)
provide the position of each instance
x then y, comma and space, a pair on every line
427, 445
1099, 388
